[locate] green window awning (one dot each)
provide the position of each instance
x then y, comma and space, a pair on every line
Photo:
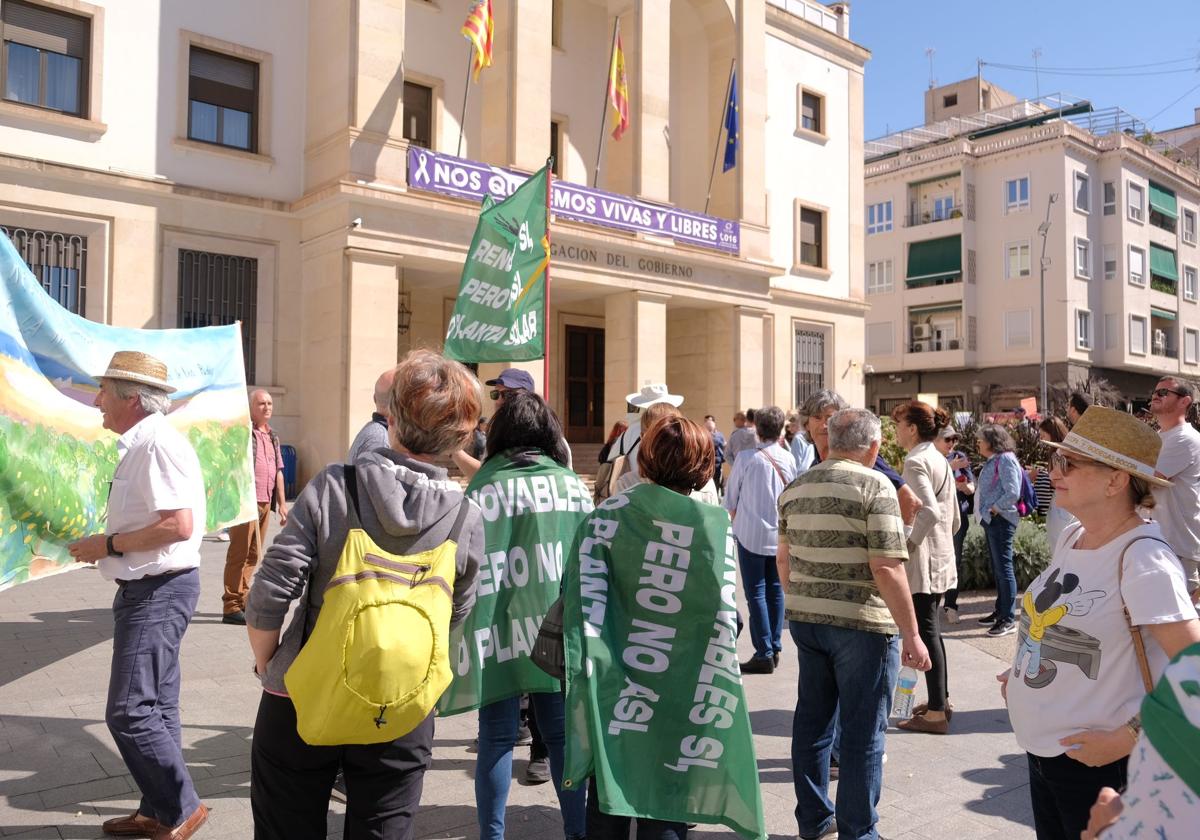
934, 259
1162, 262
1166, 315
1163, 200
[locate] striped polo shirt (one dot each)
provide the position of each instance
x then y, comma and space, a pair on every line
833, 518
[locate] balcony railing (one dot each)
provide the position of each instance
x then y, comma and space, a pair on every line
935, 345
928, 218
933, 281
1166, 352
1162, 284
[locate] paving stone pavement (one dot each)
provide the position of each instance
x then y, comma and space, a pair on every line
60, 774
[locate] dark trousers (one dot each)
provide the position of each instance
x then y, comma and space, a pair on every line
150, 616
1064, 790
611, 827
960, 538
291, 781
929, 626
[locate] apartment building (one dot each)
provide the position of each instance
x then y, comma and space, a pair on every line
300, 170
955, 214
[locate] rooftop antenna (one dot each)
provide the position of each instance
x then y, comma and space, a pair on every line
1037, 76
929, 51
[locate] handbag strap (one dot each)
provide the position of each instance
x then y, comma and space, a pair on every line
771, 461
1139, 644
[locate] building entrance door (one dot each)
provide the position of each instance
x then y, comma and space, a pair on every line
585, 385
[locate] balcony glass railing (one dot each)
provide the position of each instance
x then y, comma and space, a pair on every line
944, 280
930, 216
934, 345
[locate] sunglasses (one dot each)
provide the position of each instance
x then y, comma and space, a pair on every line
1163, 392
1060, 462
496, 395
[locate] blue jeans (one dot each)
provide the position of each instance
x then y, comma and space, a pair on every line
999, 532
498, 724
764, 601
150, 616
847, 675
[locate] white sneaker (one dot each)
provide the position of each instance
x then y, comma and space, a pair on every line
222, 536
884, 759
951, 615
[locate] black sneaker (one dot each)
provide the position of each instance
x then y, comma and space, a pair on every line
775, 660
758, 665
238, 618
537, 772
1004, 627
990, 618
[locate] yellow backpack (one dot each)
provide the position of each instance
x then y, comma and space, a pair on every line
378, 658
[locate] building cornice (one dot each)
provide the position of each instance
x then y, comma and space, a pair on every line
814, 39
819, 303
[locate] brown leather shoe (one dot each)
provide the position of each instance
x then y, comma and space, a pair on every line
134, 825
917, 723
189, 826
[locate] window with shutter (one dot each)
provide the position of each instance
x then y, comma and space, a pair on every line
45, 58
812, 223
418, 115
222, 100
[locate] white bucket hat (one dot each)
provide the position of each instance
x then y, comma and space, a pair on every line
651, 394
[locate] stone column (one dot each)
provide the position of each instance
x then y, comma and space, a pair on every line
748, 356
651, 107
635, 347
516, 88
752, 105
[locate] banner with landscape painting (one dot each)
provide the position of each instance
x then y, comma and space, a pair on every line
56, 459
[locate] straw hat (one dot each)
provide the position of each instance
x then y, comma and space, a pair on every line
1117, 440
651, 394
133, 366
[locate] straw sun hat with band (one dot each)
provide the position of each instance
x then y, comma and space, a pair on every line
134, 366
1117, 440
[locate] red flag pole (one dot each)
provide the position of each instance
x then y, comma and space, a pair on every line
546, 296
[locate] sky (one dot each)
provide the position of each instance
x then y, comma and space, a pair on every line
1075, 35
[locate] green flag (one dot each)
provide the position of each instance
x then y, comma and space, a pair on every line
500, 310
531, 508
655, 706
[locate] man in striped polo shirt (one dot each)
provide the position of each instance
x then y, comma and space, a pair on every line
841, 553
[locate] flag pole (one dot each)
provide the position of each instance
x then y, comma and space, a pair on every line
546, 294
462, 122
604, 111
712, 172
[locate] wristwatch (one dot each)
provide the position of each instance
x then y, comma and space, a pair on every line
112, 551
1134, 725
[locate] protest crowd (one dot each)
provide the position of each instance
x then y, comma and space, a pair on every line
601, 621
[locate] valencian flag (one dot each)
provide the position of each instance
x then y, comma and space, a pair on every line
618, 85
656, 711
478, 30
501, 304
731, 125
56, 459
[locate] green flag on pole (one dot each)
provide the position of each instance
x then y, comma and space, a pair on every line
655, 705
531, 509
500, 310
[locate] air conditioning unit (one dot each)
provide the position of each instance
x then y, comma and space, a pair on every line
1160, 343
921, 346
920, 331
956, 344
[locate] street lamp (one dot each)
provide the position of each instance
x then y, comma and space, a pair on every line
1043, 229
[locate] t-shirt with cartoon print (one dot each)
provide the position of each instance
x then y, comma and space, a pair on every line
1075, 666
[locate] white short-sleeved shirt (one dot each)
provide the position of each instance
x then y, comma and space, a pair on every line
1177, 508
1088, 676
157, 470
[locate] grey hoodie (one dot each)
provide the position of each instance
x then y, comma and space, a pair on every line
407, 506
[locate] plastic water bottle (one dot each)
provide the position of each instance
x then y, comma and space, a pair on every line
906, 686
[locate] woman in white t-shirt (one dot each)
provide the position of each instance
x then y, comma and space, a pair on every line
1076, 683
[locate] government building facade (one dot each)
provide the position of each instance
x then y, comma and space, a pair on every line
310, 171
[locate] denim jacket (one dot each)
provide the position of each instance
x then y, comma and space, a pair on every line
999, 486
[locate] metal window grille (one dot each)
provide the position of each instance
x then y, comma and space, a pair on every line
219, 289
810, 363
972, 332
58, 261
970, 265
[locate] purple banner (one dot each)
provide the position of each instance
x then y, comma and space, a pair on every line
461, 178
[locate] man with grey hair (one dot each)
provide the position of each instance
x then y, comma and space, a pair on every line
247, 539
151, 548
375, 433
1177, 508
842, 551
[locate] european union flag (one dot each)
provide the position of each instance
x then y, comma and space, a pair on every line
731, 125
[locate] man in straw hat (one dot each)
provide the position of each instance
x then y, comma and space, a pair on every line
639, 401
151, 548
1177, 507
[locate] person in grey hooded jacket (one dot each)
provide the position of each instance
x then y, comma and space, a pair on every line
406, 504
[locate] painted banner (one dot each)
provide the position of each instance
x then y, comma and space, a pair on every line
655, 705
531, 508
56, 460
461, 178
501, 305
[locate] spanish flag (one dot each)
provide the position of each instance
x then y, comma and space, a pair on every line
478, 30
618, 85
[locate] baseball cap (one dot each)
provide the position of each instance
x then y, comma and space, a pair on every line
514, 378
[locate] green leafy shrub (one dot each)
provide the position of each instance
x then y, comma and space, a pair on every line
1031, 555
891, 451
